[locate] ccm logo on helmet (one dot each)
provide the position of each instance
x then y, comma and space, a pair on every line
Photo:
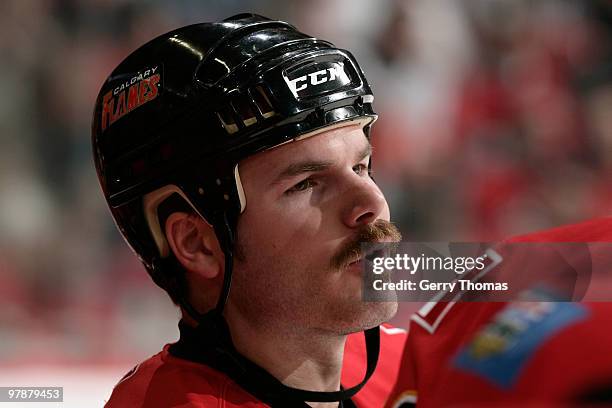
312, 81
141, 88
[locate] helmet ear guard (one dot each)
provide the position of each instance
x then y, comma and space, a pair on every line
151, 202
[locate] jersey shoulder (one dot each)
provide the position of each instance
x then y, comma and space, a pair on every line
167, 381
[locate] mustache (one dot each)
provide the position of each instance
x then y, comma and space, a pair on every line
378, 231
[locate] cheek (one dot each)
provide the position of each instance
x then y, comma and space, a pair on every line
283, 234
282, 222
280, 257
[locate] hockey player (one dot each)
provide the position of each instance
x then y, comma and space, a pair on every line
236, 155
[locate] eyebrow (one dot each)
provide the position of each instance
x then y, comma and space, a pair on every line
313, 166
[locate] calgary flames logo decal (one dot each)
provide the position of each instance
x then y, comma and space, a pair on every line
139, 89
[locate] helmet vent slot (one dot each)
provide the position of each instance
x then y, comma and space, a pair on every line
226, 116
245, 111
263, 102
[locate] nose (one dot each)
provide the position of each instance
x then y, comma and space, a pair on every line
365, 203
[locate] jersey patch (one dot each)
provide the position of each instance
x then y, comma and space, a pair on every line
500, 350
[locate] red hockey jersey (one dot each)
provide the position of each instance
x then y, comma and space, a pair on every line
165, 381
512, 353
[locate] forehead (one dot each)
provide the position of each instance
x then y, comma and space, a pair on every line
327, 145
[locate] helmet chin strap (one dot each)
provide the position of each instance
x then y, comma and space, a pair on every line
211, 343
227, 245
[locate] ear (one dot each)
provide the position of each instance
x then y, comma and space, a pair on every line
194, 244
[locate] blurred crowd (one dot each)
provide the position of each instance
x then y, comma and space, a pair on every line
494, 120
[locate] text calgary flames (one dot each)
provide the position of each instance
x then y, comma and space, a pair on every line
129, 95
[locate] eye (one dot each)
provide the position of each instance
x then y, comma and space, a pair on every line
301, 186
361, 169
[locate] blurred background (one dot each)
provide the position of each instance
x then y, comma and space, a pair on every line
495, 119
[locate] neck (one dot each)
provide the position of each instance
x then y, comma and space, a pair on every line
307, 359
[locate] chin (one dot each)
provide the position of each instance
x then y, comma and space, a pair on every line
372, 314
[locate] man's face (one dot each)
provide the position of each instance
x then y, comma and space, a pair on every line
306, 201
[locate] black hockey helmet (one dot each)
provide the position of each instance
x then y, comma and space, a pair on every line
180, 112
